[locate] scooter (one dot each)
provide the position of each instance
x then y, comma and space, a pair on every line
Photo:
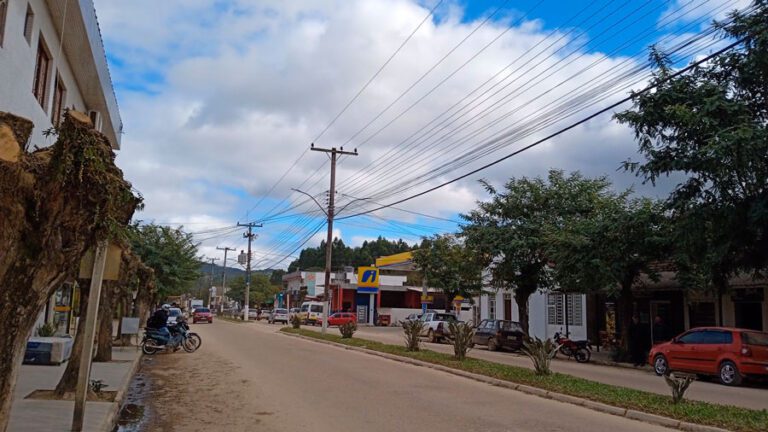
580, 350
181, 337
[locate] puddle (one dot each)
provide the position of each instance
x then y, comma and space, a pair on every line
134, 413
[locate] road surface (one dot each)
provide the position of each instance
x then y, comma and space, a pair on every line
747, 397
249, 377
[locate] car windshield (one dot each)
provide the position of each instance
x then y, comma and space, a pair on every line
202, 310
445, 317
280, 311
755, 338
316, 308
305, 308
174, 312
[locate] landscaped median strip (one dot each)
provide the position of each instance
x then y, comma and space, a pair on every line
625, 402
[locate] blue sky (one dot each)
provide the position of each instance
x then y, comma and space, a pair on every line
219, 99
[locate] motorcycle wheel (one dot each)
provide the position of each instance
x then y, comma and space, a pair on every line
564, 350
146, 348
192, 342
582, 355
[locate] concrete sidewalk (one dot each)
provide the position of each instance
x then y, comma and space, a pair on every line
56, 416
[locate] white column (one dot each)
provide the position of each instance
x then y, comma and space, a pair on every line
371, 305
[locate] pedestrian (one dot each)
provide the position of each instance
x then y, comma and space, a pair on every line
659, 330
635, 333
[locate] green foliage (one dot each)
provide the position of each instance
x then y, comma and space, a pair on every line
46, 330
261, 289
170, 252
295, 321
348, 329
541, 353
510, 231
711, 125
461, 336
450, 266
723, 416
679, 385
366, 254
412, 330
276, 277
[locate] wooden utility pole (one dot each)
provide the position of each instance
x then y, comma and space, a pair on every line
329, 213
250, 236
210, 288
224, 274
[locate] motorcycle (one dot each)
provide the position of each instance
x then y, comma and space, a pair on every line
180, 338
580, 350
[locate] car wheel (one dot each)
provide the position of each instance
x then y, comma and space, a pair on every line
431, 336
493, 345
729, 374
660, 365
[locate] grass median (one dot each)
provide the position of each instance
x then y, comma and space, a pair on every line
729, 417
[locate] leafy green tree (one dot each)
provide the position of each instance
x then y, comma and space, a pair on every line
510, 230
276, 277
313, 258
710, 125
450, 266
170, 252
261, 291
610, 250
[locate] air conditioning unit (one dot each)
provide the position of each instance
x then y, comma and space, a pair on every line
95, 117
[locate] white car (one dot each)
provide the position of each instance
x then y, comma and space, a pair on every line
278, 315
173, 314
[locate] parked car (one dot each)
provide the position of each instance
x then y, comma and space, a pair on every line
311, 312
201, 314
340, 318
411, 317
253, 314
278, 315
731, 354
495, 334
293, 312
173, 315
436, 325
263, 314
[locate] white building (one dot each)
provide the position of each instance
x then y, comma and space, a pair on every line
547, 312
51, 58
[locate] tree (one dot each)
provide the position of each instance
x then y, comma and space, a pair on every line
313, 258
261, 290
170, 252
450, 266
710, 124
510, 230
55, 203
611, 250
276, 277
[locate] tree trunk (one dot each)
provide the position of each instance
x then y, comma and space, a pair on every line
104, 320
522, 295
626, 301
68, 381
54, 204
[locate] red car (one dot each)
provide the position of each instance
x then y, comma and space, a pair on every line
202, 314
340, 318
728, 353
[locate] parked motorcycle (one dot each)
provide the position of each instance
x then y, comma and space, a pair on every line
180, 338
580, 349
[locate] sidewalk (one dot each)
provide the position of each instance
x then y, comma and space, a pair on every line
29, 415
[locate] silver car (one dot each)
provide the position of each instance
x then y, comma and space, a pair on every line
278, 315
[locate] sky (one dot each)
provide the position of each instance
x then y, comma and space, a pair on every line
220, 101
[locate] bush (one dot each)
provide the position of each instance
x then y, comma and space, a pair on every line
678, 384
46, 330
462, 334
412, 330
541, 352
295, 321
348, 329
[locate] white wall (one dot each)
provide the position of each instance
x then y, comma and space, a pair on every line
17, 68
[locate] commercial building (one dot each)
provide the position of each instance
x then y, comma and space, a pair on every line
52, 58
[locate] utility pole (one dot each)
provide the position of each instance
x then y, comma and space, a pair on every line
224, 274
250, 236
329, 241
210, 288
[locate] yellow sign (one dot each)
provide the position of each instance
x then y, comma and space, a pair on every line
427, 298
458, 298
111, 268
61, 308
367, 277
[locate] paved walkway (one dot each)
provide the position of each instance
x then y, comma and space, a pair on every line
29, 415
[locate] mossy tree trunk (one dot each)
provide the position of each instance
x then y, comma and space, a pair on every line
55, 203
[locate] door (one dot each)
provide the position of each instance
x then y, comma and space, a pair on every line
479, 331
704, 354
749, 315
682, 356
508, 307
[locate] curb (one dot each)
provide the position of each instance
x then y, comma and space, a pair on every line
534, 391
110, 420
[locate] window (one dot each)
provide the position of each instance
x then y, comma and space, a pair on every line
759, 339
29, 20
59, 96
717, 337
3, 13
693, 337
556, 309
492, 306
42, 67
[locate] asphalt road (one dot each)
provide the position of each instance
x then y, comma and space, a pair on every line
747, 397
275, 382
